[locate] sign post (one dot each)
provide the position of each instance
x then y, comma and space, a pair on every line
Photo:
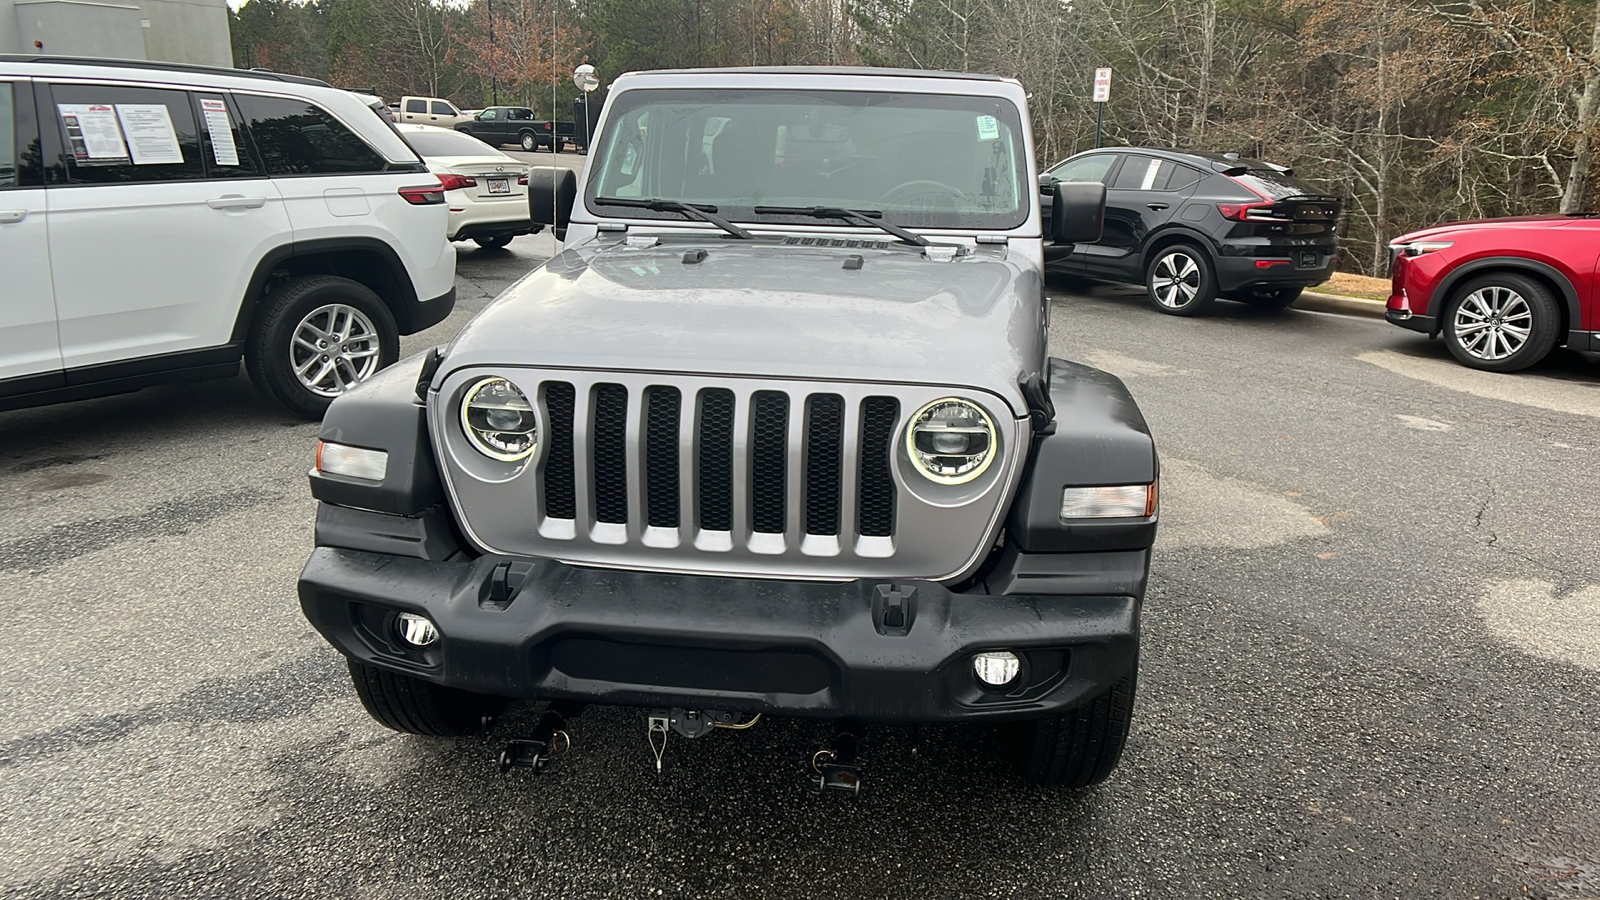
1102, 93
584, 77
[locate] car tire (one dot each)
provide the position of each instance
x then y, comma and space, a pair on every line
529, 142
1269, 298
306, 307
1179, 280
1079, 747
413, 706
1501, 323
497, 242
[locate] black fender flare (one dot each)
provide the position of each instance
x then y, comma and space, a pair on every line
400, 305
1547, 272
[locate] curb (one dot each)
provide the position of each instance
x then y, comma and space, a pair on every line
1344, 306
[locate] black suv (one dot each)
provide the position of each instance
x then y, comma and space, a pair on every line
1193, 227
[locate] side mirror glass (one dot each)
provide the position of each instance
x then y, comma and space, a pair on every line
552, 191
1077, 211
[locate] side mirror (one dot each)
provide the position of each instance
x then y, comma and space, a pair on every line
1045, 180
552, 191
1077, 211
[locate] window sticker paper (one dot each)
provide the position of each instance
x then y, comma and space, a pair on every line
988, 128
93, 135
221, 129
1150, 175
151, 138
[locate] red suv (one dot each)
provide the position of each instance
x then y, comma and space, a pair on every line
1502, 291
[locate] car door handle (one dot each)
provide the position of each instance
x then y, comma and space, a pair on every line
12, 216
1156, 206
236, 201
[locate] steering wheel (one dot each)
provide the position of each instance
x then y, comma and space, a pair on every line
924, 187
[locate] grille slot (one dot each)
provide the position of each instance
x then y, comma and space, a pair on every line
661, 457
876, 507
560, 494
716, 460
824, 451
769, 456
610, 454
836, 242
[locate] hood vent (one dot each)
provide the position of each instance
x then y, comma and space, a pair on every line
836, 242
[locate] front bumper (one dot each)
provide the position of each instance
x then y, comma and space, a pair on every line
536, 628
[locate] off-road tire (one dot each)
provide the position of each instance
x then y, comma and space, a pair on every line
1197, 291
497, 242
1079, 747
266, 352
414, 706
1544, 320
1278, 298
529, 142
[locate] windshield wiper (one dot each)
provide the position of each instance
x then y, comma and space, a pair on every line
703, 212
871, 217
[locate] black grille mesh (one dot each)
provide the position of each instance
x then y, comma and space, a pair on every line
876, 511
661, 457
560, 496
610, 453
824, 446
716, 460
769, 452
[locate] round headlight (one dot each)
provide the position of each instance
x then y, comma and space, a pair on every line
951, 441
498, 420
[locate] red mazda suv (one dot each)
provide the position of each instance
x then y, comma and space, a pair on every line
1503, 292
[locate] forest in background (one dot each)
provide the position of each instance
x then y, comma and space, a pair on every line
1415, 111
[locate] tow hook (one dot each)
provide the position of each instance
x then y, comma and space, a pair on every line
549, 740
836, 765
689, 723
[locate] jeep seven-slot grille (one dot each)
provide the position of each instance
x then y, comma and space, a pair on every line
827, 433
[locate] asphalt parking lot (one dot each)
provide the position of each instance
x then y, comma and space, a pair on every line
1371, 665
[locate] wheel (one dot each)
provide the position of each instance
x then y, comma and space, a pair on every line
415, 706
498, 242
1179, 281
1079, 747
529, 142
1269, 298
1501, 322
316, 337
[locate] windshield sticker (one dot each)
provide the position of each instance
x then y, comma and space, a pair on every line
1150, 175
988, 128
222, 145
151, 137
92, 134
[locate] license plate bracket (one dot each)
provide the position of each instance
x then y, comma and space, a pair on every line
1306, 259
499, 185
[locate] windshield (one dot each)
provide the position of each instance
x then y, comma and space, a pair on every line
438, 142
922, 160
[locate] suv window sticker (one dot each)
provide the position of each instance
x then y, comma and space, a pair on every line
221, 130
93, 134
151, 137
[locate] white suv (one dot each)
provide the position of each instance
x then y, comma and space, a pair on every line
158, 223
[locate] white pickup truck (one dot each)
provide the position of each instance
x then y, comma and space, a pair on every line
430, 111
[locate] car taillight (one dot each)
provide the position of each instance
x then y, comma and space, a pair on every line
1239, 212
549, 126
423, 195
523, 178
457, 182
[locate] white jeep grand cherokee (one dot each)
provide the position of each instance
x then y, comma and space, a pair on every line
159, 223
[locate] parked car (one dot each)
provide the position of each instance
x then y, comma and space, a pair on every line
434, 111
1192, 227
501, 125
188, 217
762, 440
1503, 292
486, 190
556, 135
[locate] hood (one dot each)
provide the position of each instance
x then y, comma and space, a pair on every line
768, 309
1518, 222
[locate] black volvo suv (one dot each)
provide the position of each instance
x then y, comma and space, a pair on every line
1192, 227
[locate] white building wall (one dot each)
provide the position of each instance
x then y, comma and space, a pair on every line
181, 31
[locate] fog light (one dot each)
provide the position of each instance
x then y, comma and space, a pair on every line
416, 630
996, 669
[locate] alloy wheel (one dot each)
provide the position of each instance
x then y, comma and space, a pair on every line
335, 347
1175, 280
1492, 323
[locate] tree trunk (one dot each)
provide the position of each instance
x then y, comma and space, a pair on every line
1577, 192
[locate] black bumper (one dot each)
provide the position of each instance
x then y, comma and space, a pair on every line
426, 314
1237, 273
791, 648
497, 229
1425, 324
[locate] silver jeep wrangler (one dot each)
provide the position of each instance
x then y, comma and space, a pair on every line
774, 434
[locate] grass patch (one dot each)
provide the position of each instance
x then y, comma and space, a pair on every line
1364, 286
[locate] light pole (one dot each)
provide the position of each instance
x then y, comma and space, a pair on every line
583, 76
494, 81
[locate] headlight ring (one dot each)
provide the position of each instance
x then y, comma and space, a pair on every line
950, 441
498, 420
